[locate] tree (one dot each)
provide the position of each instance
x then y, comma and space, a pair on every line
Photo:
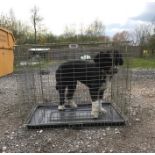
36, 21
142, 35
121, 36
19, 29
95, 29
151, 43
69, 31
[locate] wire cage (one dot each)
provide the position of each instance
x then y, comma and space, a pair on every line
36, 67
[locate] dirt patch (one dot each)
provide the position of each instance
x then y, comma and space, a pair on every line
138, 136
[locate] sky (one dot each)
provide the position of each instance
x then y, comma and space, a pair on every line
116, 15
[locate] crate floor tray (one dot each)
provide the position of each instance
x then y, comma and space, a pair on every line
50, 116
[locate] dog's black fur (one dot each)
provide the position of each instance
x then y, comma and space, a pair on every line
92, 74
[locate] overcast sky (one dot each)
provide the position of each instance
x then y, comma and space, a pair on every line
116, 15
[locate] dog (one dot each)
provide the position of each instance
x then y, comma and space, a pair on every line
92, 74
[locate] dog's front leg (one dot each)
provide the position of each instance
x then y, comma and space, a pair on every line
96, 104
62, 98
100, 97
95, 109
70, 93
101, 109
107, 93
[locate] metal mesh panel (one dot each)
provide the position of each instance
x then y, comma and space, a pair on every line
36, 67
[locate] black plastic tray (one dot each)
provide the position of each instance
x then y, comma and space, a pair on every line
49, 116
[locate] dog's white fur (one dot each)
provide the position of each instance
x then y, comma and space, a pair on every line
97, 109
72, 104
61, 107
107, 92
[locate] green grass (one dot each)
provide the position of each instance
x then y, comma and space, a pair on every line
145, 62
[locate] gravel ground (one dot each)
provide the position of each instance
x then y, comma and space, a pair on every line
137, 136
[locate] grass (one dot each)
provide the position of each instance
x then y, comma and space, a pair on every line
145, 62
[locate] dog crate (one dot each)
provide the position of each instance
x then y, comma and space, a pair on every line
39, 99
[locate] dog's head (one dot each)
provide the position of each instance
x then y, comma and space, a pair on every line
109, 61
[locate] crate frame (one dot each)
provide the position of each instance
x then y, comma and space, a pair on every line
27, 72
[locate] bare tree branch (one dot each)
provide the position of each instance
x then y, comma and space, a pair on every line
36, 20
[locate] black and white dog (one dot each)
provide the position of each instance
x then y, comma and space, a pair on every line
92, 74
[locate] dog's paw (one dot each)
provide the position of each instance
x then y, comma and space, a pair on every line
72, 104
95, 114
61, 107
103, 111
95, 109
